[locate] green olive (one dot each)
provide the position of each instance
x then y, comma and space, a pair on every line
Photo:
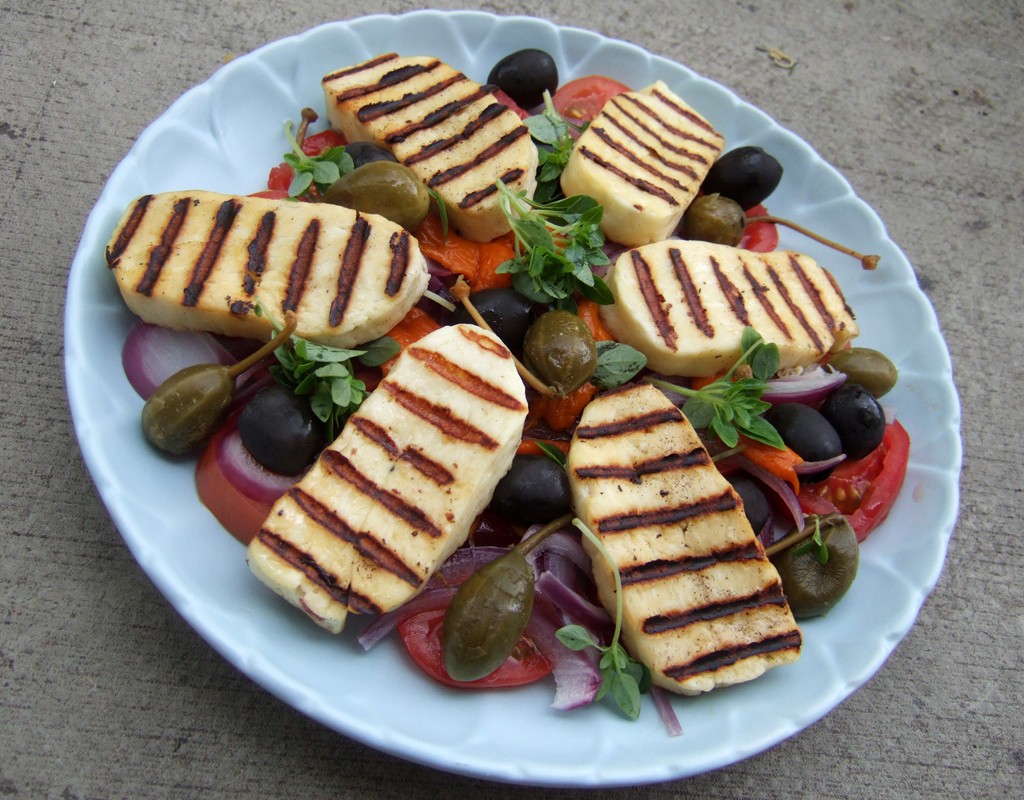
487, 616
188, 407
811, 587
714, 218
386, 188
559, 349
871, 369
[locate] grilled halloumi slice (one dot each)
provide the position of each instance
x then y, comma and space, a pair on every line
703, 606
684, 304
445, 127
397, 492
643, 158
199, 260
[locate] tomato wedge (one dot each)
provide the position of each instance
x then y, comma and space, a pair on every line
581, 100
863, 489
421, 636
759, 237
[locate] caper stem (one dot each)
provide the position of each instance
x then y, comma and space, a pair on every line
239, 367
308, 116
866, 261
526, 545
460, 291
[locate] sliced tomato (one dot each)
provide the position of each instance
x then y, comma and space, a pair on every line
280, 178
507, 101
239, 514
760, 237
315, 143
863, 489
421, 636
581, 100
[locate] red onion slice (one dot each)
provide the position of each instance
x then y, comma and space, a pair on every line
778, 486
576, 674
810, 467
151, 354
811, 386
245, 473
668, 716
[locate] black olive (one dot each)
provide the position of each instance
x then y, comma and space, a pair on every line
807, 433
857, 417
365, 152
524, 75
747, 175
714, 218
280, 431
755, 504
534, 490
505, 310
812, 588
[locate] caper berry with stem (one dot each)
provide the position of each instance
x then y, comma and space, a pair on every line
387, 188
187, 408
869, 368
490, 611
559, 348
810, 586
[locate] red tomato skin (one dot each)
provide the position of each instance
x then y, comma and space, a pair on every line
505, 100
315, 143
582, 99
865, 489
280, 178
240, 515
759, 237
421, 636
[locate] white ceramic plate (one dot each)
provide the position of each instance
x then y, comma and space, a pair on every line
223, 136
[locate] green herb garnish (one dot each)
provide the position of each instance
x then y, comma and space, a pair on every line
553, 453
319, 171
731, 407
814, 544
551, 129
624, 678
556, 246
616, 364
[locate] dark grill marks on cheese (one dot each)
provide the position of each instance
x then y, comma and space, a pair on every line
387, 80
473, 198
435, 117
399, 267
654, 300
366, 65
474, 336
813, 293
158, 255
696, 119
731, 292
364, 543
791, 640
698, 457
626, 152
439, 416
760, 291
204, 265
698, 313
640, 422
257, 249
658, 153
661, 569
299, 272
344, 469
351, 260
375, 111
768, 596
128, 230
797, 312
308, 566
664, 145
489, 113
491, 151
657, 118
464, 379
427, 467
669, 515
639, 183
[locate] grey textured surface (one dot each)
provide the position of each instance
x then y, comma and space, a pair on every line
106, 693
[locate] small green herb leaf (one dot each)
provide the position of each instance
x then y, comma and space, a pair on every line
549, 128
553, 453
314, 171
616, 364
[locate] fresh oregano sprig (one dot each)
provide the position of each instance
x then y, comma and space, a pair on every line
624, 678
313, 171
728, 406
556, 246
551, 129
617, 363
326, 375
